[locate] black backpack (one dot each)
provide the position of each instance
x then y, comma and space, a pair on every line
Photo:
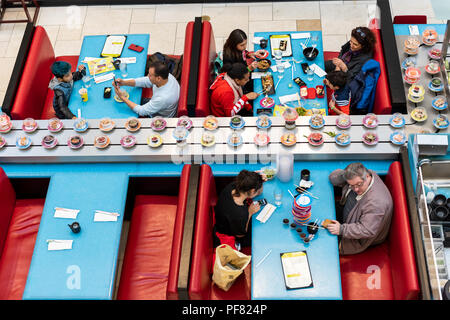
175, 65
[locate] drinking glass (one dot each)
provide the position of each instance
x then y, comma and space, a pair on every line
280, 70
310, 73
86, 81
277, 54
123, 69
278, 195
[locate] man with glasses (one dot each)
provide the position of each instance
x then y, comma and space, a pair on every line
367, 209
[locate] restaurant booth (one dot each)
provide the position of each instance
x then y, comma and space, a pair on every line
106, 210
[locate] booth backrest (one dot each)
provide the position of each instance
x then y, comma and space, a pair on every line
175, 256
202, 246
382, 104
185, 70
206, 70
410, 19
8, 201
32, 90
401, 252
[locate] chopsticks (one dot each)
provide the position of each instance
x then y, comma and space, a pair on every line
307, 192
263, 258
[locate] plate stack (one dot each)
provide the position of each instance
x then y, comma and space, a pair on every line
302, 209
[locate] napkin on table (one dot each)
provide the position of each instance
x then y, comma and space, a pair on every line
105, 216
59, 244
66, 213
266, 212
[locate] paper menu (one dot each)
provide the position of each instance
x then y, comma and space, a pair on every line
275, 44
296, 270
113, 46
266, 212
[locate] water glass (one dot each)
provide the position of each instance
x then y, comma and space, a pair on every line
277, 54
123, 69
86, 81
280, 70
310, 73
278, 195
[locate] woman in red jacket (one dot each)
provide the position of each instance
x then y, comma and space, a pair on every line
227, 98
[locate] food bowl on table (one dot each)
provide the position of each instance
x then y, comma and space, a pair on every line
439, 103
128, 141
320, 92
310, 53
370, 138
180, 135
263, 121
29, 125
269, 172
264, 64
101, 142
429, 36
411, 45
288, 139
342, 139
370, 121
397, 120
416, 93
210, 123
315, 139
409, 62
436, 85
343, 121
237, 122
267, 102
262, 53
290, 115
23, 142
133, 124
419, 114
5, 123
155, 140
435, 53
185, 121
441, 122
80, 125
2, 142
412, 75
55, 125
75, 142
398, 138
49, 141
234, 139
261, 139
106, 124
432, 67
316, 121
158, 123
208, 139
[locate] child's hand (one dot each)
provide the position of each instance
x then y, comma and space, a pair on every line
81, 67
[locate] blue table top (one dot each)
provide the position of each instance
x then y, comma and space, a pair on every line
403, 29
283, 87
88, 270
98, 107
323, 255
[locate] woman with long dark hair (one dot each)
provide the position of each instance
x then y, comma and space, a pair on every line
235, 50
233, 212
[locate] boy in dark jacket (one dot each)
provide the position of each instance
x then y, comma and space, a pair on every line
341, 97
62, 86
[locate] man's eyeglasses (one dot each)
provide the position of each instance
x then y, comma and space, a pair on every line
358, 185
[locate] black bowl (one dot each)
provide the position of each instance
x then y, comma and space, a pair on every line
440, 213
438, 200
264, 69
310, 53
312, 228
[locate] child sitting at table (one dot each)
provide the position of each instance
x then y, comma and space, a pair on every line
341, 97
62, 86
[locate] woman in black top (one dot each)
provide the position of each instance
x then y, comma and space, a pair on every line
233, 213
354, 53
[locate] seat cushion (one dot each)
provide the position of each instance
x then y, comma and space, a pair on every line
241, 288
8, 201
19, 246
367, 275
48, 112
147, 257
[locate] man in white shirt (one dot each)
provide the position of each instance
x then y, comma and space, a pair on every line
166, 92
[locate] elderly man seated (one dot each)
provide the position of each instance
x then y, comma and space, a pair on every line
367, 209
166, 92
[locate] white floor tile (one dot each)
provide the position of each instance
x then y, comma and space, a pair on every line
3, 47
7, 67
407, 7
179, 46
162, 36
143, 15
341, 19
181, 30
260, 13
67, 48
70, 32
2, 97
62, 15
333, 42
6, 30
52, 32
296, 10
177, 13
226, 19
106, 21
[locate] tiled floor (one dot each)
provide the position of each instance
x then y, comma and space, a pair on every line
166, 24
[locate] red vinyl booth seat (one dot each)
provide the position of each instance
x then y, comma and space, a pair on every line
205, 71
201, 286
33, 97
19, 225
387, 271
153, 252
382, 103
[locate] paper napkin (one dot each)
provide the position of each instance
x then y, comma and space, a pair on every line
59, 244
105, 216
256, 40
289, 97
128, 60
318, 70
303, 35
257, 75
66, 213
265, 213
103, 78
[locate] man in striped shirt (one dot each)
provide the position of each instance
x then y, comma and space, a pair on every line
227, 98
341, 97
